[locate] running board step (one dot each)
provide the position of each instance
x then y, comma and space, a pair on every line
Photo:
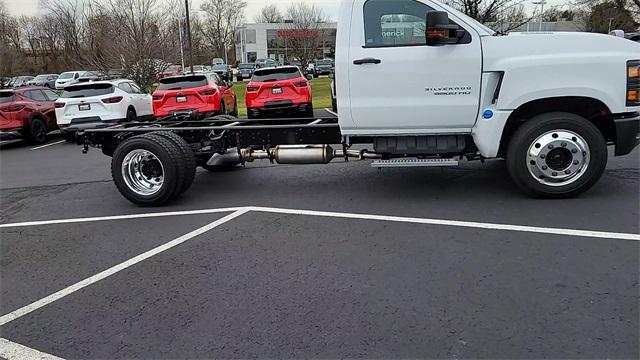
413, 162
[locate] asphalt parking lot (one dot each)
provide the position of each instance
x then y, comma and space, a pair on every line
315, 261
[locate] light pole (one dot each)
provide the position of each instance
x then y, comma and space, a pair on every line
181, 44
542, 3
186, 6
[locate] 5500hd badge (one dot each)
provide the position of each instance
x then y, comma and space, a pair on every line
449, 91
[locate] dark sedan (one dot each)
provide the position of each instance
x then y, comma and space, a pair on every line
223, 70
245, 71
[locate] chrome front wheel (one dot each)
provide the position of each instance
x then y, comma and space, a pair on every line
558, 158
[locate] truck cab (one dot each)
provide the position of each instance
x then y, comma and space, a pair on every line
392, 80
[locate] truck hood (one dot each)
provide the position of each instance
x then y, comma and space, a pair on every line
528, 48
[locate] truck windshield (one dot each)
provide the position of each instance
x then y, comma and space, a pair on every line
182, 82
81, 91
277, 74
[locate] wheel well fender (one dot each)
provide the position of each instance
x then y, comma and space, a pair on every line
593, 110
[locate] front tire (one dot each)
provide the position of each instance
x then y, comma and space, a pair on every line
556, 155
131, 115
234, 113
37, 131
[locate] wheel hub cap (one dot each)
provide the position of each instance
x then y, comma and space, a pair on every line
143, 172
558, 158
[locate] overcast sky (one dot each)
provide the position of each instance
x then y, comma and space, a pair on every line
30, 7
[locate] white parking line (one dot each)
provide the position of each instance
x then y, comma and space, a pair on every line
115, 269
119, 217
455, 223
14, 351
331, 112
47, 145
426, 221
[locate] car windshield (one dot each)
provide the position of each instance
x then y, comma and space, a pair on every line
90, 74
246, 66
324, 62
182, 82
41, 77
67, 75
81, 91
6, 97
220, 67
276, 74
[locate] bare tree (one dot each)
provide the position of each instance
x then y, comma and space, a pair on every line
271, 14
502, 15
68, 15
303, 31
219, 23
126, 35
611, 15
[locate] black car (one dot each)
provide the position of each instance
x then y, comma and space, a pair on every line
91, 76
223, 70
245, 71
323, 67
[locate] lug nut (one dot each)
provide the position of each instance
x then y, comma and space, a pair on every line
564, 144
544, 167
574, 151
567, 172
576, 162
543, 156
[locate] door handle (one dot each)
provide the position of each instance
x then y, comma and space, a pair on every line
366, 61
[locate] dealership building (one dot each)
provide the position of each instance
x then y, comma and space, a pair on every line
270, 41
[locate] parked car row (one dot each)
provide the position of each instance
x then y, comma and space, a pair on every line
32, 111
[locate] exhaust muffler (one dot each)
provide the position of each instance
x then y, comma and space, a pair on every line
292, 154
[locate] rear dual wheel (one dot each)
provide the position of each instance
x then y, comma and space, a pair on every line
153, 169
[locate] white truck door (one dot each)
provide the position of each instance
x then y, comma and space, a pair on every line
398, 84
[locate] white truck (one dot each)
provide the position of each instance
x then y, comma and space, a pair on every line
423, 85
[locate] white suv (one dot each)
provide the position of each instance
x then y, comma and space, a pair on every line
68, 78
100, 104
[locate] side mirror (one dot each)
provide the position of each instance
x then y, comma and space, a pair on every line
439, 31
309, 77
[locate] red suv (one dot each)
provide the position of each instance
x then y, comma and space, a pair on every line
203, 95
278, 91
27, 113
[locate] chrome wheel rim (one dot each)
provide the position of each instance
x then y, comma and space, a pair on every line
558, 158
143, 172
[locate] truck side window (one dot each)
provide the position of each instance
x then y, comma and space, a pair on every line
395, 22
389, 23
